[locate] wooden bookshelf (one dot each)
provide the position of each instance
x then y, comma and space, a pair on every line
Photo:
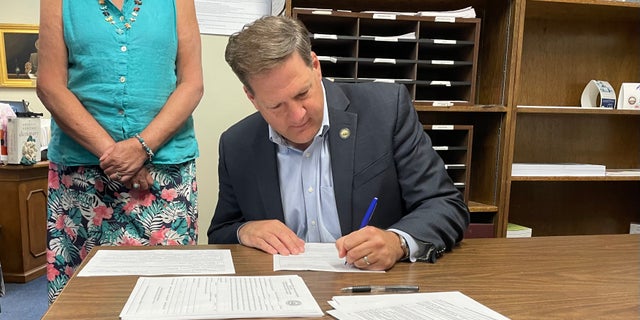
560, 46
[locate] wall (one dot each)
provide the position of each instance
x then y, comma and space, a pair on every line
223, 104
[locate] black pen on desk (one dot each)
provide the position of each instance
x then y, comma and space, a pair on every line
381, 289
369, 213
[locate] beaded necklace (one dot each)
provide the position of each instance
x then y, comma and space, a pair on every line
109, 18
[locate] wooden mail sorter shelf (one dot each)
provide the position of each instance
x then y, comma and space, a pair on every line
454, 144
435, 58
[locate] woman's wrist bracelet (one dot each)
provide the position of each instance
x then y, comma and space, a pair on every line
145, 146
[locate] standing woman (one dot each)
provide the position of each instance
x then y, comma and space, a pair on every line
121, 79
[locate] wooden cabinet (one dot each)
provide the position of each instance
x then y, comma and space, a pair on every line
561, 46
474, 68
23, 203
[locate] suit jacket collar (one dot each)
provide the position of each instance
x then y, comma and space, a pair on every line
342, 138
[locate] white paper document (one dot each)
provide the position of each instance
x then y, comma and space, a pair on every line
434, 305
220, 298
316, 257
158, 262
226, 17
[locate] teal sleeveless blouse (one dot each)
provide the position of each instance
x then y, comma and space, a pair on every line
122, 76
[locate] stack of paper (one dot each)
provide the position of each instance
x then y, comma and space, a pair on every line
467, 12
434, 305
557, 169
518, 231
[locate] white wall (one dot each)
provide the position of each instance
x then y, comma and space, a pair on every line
223, 104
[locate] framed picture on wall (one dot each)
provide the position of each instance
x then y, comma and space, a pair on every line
18, 55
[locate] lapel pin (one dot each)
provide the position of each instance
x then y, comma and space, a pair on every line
345, 133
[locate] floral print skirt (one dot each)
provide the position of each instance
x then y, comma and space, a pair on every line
86, 209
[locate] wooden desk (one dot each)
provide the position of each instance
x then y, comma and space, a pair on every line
574, 277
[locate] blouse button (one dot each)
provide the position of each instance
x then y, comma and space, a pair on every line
123, 79
121, 18
123, 48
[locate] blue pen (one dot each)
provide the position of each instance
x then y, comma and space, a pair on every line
369, 214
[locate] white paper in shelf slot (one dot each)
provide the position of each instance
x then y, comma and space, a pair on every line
325, 36
384, 60
445, 19
442, 104
442, 62
629, 96
598, 94
444, 41
441, 83
384, 16
442, 127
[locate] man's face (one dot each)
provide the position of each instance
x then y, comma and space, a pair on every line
289, 97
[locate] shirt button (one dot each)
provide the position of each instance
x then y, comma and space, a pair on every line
307, 154
123, 79
121, 18
123, 48
313, 223
310, 189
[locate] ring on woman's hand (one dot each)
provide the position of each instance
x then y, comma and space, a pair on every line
366, 260
118, 176
136, 186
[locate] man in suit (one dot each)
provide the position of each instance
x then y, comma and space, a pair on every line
306, 166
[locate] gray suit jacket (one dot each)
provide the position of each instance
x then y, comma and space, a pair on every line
387, 155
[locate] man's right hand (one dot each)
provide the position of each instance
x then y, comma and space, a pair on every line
271, 236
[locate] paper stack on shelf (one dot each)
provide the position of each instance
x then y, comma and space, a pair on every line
557, 169
623, 172
467, 12
518, 231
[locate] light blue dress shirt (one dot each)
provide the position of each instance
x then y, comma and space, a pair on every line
306, 186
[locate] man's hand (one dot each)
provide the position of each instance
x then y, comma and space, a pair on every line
271, 236
370, 248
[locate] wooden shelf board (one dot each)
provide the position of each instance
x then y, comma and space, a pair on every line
566, 178
576, 110
481, 207
423, 106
